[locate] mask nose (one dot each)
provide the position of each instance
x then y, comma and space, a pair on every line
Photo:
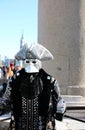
30, 63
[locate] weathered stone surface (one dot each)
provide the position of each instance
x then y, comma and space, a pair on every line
61, 28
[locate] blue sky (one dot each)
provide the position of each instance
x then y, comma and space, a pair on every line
17, 17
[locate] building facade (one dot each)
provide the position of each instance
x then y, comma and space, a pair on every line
61, 29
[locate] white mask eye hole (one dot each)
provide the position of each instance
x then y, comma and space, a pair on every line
27, 61
33, 61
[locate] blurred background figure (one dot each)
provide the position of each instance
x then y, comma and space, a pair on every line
4, 70
1, 73
17, 66
3, 81
12, 66
9, 72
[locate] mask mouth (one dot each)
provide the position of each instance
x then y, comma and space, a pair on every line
31, 69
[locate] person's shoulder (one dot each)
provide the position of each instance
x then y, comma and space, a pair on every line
18, 74
42, 71
44, 75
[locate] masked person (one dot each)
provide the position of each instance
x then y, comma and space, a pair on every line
31, 89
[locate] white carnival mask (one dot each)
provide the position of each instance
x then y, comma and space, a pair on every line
32, 65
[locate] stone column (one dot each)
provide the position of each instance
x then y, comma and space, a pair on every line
61, 29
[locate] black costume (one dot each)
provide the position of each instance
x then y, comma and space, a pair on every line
30, 96
33, 94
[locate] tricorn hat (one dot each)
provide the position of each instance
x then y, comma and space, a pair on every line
35, 51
